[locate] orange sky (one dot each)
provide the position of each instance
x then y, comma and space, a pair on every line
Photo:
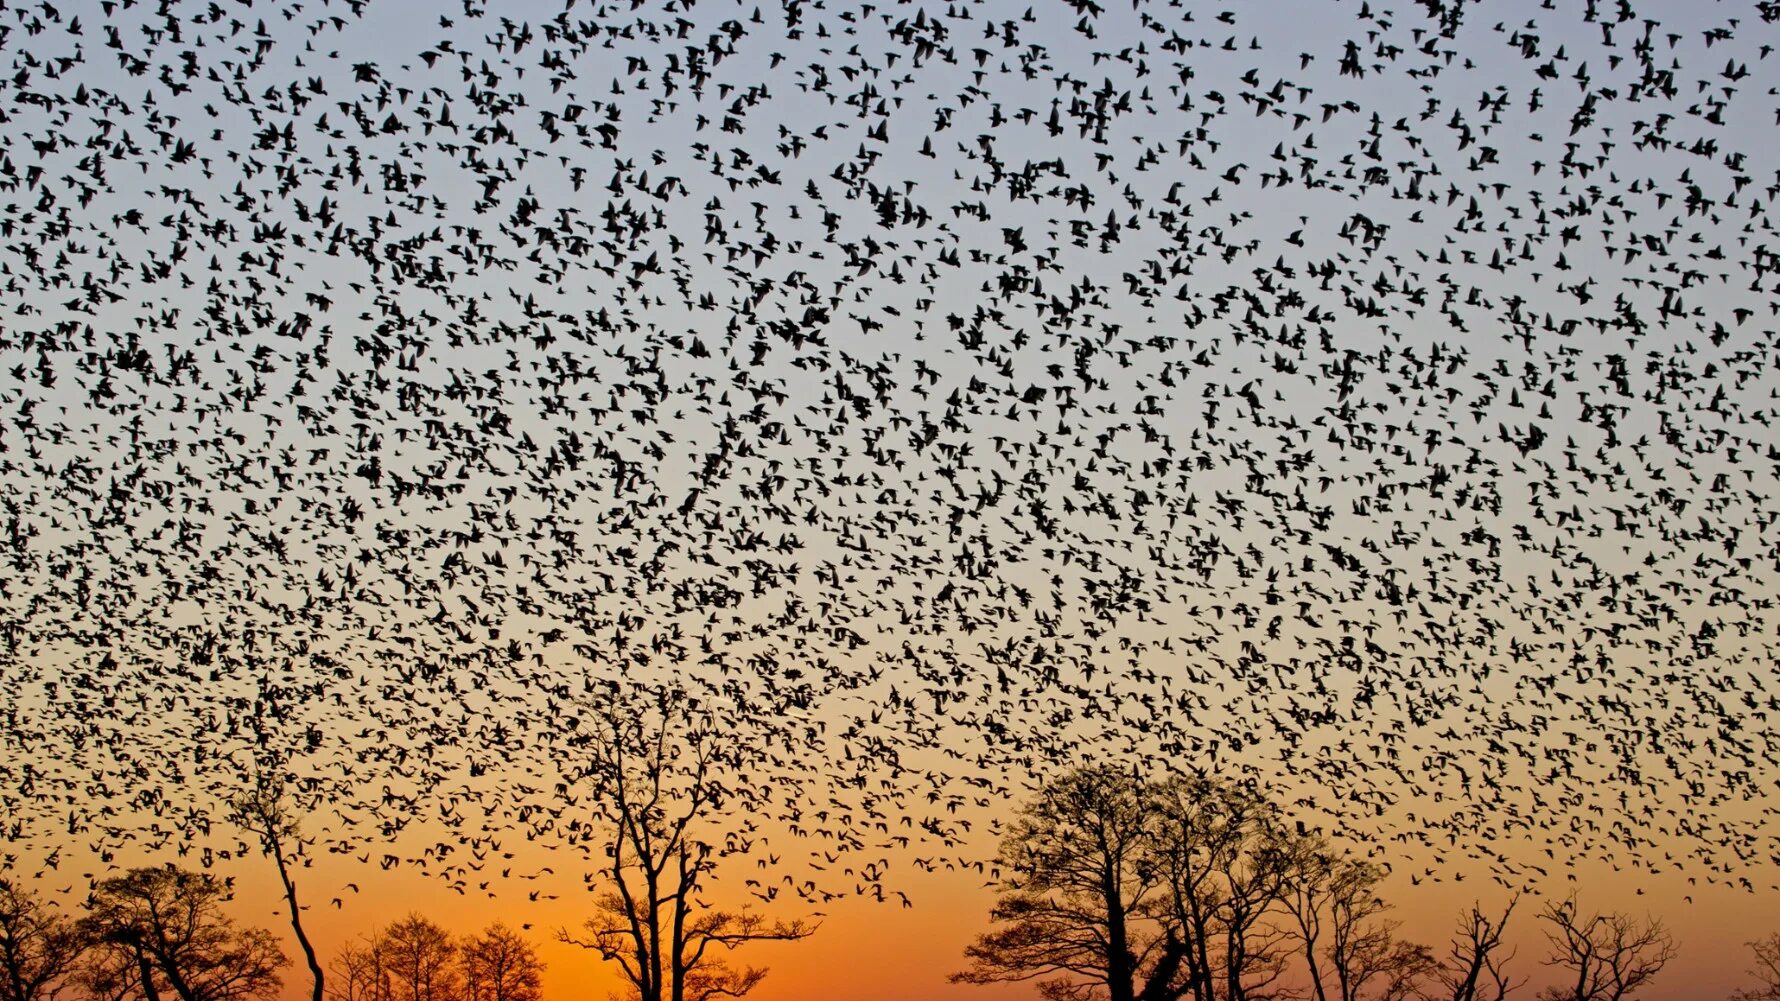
886, 952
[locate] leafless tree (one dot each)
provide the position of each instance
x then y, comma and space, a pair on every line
1605, 957
358, 974
1310, 872
266, 811
158, 930
419, 961
1222, 844
1766, 972
1078, 896
1476, 967
1223, 863
500, 965
1255, 947
663, 770
39, 949
1361, 954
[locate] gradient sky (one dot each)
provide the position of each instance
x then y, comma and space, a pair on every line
1375, 399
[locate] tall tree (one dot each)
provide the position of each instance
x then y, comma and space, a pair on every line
1255, 947
1080, 896
265, 810
161, 930
39, 949
663, 769
1605, 957
500, 965
1225, 860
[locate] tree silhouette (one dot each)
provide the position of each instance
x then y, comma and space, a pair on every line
266, 811
1079, 896
357, 973
39, 949
500, 965
160, 930
1221, 850
1327, 891
1766, 972
1608, 957
661, 770
418, 960
1475, 966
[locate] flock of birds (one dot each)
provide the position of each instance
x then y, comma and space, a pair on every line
1380, 403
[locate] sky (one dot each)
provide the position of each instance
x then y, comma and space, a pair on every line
1375, 400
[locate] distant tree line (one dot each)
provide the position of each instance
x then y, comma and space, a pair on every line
415, 959
1118, 887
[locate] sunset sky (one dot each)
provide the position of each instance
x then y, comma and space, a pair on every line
1373, 400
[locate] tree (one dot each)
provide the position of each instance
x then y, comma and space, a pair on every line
358, 974
500, 965
265, 811
1767, 971
1362, 955
1079, 896
1253, 884
1224, 860
1141, 890
418, 961
1475, 967
39, 949
159, 930
1608, 957
661, 768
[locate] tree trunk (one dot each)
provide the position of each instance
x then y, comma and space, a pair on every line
1118, 946
296, 918
147, 973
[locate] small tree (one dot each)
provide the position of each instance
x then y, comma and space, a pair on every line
661, 767
1607, 957
1361, 954
39, 949
500, 965
357, 974
1475, 967
1766, 972
418, 961
160, 931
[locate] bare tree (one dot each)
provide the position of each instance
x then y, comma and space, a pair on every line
1255, 948
265, 811
1078, 896
159, 930
1476, 967
1607, 957
1766, 972
358, 974
39, 949
1361, 954
500, 965
1223, 865
1310, 872
418, 960
662, 769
